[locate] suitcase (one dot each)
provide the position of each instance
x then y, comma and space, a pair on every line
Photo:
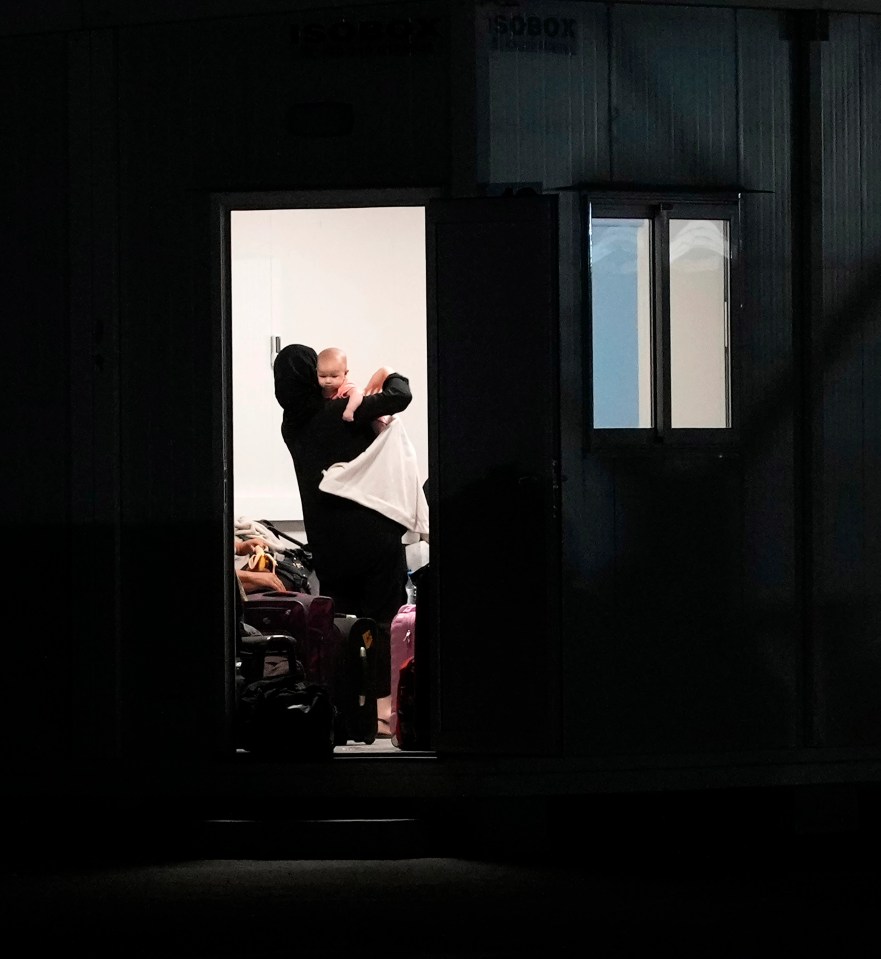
267, 656
308, 618
276, 612
279, 712
354, 683
403, 639
404, 729
286, 717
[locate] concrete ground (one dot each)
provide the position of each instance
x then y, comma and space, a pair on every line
625, 878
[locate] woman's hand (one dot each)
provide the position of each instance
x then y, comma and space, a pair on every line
248, 546
377, 380
259, 581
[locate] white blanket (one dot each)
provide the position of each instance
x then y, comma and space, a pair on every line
385, 477
246, 528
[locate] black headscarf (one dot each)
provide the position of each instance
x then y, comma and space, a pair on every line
296, 381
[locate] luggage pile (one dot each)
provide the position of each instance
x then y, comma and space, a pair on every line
335, 653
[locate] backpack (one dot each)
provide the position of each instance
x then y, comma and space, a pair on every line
279, 713
286, 718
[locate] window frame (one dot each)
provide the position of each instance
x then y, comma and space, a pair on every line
659, 208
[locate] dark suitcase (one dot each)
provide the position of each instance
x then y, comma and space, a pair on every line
354, 684
404, 719
286, 718
279, 713
267, 656
309, 619
276, 612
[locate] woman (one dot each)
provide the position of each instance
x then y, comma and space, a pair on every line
357, 552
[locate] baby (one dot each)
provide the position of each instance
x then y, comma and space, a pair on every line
332, 378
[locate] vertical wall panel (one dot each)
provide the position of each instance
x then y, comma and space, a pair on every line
673, 95
673, 669
33, 178
36, 387
94, 371
542, 93
762, 338
870, 269
848, 652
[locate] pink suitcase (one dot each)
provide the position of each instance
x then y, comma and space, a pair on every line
403, 638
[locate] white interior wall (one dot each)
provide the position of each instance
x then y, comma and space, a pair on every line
352, 278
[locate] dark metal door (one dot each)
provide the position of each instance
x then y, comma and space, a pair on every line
492, 275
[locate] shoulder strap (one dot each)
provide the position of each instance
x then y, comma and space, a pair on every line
282, 534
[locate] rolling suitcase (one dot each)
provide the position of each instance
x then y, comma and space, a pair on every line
353, 686
266, 656
308, 618
410, 717
404, 729
279, 713
276, 612
403, 639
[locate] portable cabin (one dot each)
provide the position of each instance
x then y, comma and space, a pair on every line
652, 364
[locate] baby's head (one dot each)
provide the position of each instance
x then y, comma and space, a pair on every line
332, 370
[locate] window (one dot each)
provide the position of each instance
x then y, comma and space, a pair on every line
660, 279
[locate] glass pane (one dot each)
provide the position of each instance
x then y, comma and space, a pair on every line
699, 361
620, 271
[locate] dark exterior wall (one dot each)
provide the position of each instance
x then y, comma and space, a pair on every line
678, 665
36, 377
846, 353
117, 134
640, 94
682, 629
770, 629
689, 628
543, 117
737, 604
205, 108
673, 97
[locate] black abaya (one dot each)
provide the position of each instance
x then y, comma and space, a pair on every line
358, 553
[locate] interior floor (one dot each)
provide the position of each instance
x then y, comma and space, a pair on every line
379, 747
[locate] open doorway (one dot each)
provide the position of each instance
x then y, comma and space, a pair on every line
492, 270
352, 277
349, 276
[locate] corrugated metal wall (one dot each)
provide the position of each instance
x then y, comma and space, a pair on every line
703, 97
207, 107
683, 620
693, 633
542, 115
36, 356
767, 383
640, 94
673, 98
847, 375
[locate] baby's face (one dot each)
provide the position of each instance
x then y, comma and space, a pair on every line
331, 376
